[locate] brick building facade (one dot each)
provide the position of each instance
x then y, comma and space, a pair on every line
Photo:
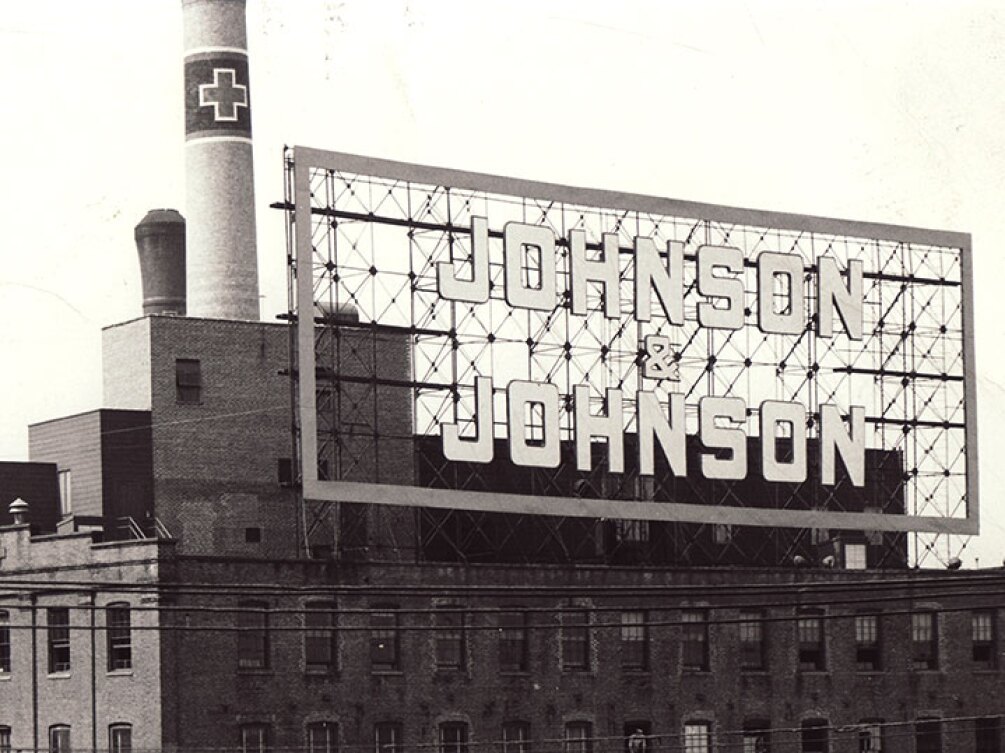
491, 653
203, 623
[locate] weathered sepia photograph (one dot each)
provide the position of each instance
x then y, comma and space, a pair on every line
427, 376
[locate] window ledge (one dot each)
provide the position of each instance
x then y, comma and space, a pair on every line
814, 671
256, 671
321, 672
635, 671
515, 672
756, 671
120, 673
4, 676
387, 672
976, 671
59, 675
695, 671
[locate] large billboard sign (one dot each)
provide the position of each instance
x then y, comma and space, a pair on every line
457, 331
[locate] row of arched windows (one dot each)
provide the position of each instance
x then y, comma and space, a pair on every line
120, 738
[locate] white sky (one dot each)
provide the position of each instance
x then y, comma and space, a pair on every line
881, 111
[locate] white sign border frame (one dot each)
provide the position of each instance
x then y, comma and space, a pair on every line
306, 158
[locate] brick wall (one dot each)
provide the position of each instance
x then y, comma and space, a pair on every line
127, 466
215, 461
187, 688
74, 444
365, 433
87, 696
125, 356
419, 695
372, 421
35, 483
216, 458
108, 455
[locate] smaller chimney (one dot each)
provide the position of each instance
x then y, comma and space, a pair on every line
19, 509
160, 242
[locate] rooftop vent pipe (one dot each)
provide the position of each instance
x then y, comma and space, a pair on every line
19, 510
160, 242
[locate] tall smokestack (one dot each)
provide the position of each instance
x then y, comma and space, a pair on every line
160, 243
220, 204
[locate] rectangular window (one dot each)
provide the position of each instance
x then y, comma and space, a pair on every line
855, 557
516, 737
449, 638
513, 641
722, 533
637, 736
928, 736
756, 736
255, 738
59, 738
575, 640
697, 737
253, 635
870, 737
387, 737
984, 648
695, 640
578, 737
120, 738
924, 641
868, 657
752, 646
453, 737
118, 636
815, 737
987, 735
4, 642
384, 640
631, 531
58, 628
634, 640
320, 654
322, 737
188, 380
5, 740
65, 492
810, 629
284, 471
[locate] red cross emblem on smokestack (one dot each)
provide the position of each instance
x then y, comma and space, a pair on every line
224, 95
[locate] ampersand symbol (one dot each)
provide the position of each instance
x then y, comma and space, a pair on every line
659, 363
